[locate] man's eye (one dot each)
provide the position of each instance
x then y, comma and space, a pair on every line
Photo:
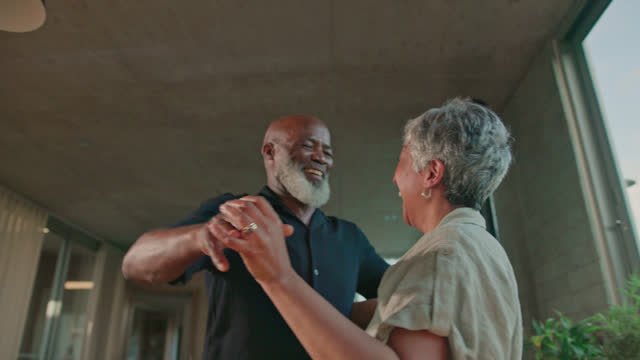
328, 154
307, 146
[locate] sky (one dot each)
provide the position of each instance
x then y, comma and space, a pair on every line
613, 50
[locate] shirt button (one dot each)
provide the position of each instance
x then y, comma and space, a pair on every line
316, 272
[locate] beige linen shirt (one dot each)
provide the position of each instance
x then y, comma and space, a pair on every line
456, 282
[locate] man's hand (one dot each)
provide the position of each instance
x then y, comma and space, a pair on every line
253, 229
211, 246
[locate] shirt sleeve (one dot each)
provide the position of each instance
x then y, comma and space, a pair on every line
371, 269
423, 296
206, 211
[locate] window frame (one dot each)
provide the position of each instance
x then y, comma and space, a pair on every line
606, 201
69, 236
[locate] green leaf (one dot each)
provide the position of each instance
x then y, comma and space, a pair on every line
536, 341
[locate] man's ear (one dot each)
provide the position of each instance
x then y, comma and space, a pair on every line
433, 174
268, 151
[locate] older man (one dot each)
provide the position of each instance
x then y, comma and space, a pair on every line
332, 255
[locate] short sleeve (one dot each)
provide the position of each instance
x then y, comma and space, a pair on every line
420, 295
372, 268
206, 211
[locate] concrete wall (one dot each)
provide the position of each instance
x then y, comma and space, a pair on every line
540, 206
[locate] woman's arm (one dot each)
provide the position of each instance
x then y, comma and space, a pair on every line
418, 344
321, 329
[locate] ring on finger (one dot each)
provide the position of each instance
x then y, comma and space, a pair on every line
249, 228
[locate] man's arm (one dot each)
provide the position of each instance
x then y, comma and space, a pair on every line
163, 255
372, 267
160, 256
362, 312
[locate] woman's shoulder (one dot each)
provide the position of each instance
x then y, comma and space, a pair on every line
466, 230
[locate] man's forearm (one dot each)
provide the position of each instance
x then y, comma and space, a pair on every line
160, 256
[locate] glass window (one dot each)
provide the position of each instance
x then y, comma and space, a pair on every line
149, 335
57, 320
72, 323
156, 330
34, 327
614, 61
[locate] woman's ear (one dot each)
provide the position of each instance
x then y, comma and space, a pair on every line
433, 173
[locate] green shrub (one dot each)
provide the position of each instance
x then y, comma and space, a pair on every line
621, 325
612, 335
561, 339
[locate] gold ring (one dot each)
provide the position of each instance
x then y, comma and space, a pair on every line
249, 228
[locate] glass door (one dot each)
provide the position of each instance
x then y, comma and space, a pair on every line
56, 325
71, 329
38, 315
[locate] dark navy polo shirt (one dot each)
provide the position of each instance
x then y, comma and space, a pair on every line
331, 255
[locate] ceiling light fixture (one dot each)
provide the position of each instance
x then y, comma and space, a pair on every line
78, 285
21, 15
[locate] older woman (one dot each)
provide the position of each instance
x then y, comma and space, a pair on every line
452, 295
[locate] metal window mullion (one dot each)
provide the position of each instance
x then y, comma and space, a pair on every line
55, 301
572, 103
602, 186
622, 223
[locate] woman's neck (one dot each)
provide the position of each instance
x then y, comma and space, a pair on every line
435, 210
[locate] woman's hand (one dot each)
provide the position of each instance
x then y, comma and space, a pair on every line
255, 231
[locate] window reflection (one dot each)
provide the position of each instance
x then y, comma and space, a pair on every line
615, 68
72, 324
35, 325
56, 325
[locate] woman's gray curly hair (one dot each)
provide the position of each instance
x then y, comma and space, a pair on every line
470, 140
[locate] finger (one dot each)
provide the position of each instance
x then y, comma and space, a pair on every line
246, 207
222, 221
215, 247
249, 204
242, 214
226, 224
214, 250
218, 258
287, 230
263, 205
240, 245
234, 215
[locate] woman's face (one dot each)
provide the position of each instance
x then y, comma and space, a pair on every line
409, 183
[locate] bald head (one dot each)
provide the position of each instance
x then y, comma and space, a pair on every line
291, 128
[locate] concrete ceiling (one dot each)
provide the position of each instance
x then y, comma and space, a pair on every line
122, 116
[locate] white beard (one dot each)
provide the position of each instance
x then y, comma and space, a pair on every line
296, 183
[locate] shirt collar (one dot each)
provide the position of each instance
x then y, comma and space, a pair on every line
464, 215
318, 218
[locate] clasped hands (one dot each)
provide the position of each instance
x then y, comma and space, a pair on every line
252, 228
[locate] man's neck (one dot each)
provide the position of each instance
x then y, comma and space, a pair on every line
302, 211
